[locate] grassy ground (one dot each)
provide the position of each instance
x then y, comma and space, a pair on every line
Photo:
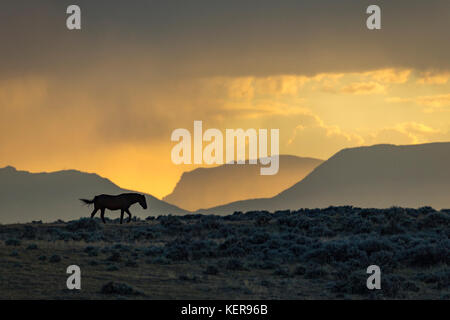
246, 256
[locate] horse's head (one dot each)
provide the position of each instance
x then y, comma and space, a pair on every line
143, 202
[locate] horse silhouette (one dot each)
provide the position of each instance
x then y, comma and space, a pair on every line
120, 202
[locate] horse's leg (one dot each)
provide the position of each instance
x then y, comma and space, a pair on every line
102, 214
129, 215
121, 216
94, 212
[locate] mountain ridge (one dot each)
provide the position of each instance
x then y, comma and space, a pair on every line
219, 185
378, 176
47, 196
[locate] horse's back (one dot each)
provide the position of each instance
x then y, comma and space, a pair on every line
112, 202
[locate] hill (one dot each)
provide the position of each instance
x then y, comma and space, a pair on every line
377, 176
26, 196
209, 187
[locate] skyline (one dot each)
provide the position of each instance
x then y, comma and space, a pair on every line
105, 99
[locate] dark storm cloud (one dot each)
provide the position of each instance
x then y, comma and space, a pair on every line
222, 37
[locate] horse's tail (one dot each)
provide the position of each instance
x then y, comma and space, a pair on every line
88, 202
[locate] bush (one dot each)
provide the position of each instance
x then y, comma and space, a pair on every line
115, 257
425, 255
122, 289
212, 270
440, 278
29, 233
299, 271
12, 242
315, 272
160, 260
86, 224
234, 264
177, 252
353, 283
91, 251
284, 272
55, 258
112, 267
153, 251
131, 263
434, 220
391, 285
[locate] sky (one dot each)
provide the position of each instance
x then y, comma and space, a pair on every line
106, 98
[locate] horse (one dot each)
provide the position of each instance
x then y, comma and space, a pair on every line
120, 202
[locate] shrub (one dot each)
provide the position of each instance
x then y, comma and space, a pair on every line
353, 283
411, 286
177, 252
259, 238
391, 285
131, 263
160, 260
29, 232
211, 270
55, 258
234, 264
299, 271
384, 259
112, 267
425, 255
117, 288
440, 278
12, 242
280, 271
115, 257
91, 251
87, 224
315, 272
434, 220
153, 251
374, 245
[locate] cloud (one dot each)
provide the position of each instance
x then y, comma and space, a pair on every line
232, 38
431, 102
434, 102
430, 77
364, 88
389, 75
406, 133
312, 136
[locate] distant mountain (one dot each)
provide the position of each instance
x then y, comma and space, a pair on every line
208, 187
26, 196
377, 176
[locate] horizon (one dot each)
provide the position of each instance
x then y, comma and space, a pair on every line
205, 167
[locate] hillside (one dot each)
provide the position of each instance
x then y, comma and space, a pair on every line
378, 176
208, 187
26, 196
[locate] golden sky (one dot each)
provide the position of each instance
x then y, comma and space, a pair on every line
106, 99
